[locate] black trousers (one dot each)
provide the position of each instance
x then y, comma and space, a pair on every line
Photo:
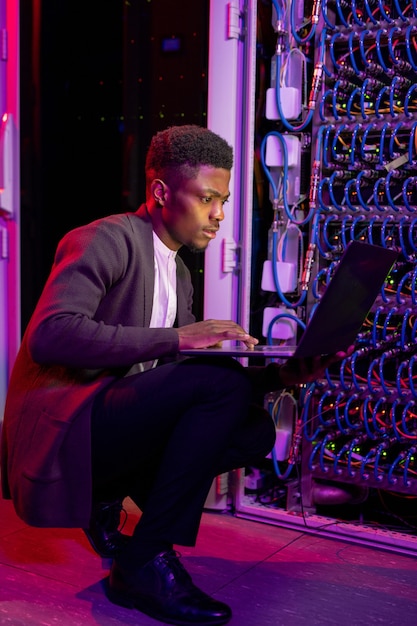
162, 436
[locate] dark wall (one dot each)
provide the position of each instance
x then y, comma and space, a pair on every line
97, 81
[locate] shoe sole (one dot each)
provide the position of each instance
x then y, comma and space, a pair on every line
130, 602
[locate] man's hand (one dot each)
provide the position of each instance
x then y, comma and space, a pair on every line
306, 370
211, 333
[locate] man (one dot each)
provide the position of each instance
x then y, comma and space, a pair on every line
100, 404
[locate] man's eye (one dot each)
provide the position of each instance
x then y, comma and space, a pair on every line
224, 201
206, 199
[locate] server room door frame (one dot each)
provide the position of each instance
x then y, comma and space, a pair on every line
9, 192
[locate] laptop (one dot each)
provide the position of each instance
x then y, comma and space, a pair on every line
339, 314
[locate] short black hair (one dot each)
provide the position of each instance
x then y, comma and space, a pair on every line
184, 149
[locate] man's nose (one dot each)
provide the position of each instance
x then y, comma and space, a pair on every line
217, 212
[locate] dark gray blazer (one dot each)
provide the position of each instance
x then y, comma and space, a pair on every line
93, 319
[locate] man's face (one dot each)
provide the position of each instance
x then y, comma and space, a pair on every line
191, 214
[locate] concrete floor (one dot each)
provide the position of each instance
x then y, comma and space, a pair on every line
270, 576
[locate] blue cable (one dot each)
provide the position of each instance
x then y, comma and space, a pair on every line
408, 95
384, 14
271, 181
351, 98
353, 358
379, 429
323, 141
367, 130
404, 426
408, 33
393, 311
360, 198
369, 12
280, 293
362, 98
338, 456
322, 114
369, 376
350, 453
362, 45
391, 144
399, 11
375, 192
370, 434
393, 421
351, 53
337, 134
334, 100
331, 50
345, 385
407, 315
340, 14
380, 449
392, 480
385, 89
280, 316
347, 187
388, 191
413, 286
314, 19
283, 119
322, 451
378, 312
398, 379
346, 412
411, 144
400, 287
390, 46
387, 220
355, 15
384, 129
344, 228
312, 455
402, 223
379, 34
410, 234
410, 375
322, 203
370, 229
305, 413
409, 458
384, 386
337, 206
328, 219
337, 415
391, 97
364, 462
353, 143
325, 16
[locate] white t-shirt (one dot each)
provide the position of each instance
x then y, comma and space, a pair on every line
164, 307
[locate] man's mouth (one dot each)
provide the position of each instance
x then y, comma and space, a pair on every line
210, 232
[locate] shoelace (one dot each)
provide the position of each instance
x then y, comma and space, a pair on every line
111, 513
171, 560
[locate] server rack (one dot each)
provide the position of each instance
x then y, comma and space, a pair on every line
325, 129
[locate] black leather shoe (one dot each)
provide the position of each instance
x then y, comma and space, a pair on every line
163, 589
103, 533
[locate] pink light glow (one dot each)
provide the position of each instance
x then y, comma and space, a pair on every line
12, 106
12, 22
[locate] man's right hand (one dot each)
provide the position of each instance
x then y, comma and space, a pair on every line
210, 333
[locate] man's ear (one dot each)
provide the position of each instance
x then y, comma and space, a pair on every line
159, 191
